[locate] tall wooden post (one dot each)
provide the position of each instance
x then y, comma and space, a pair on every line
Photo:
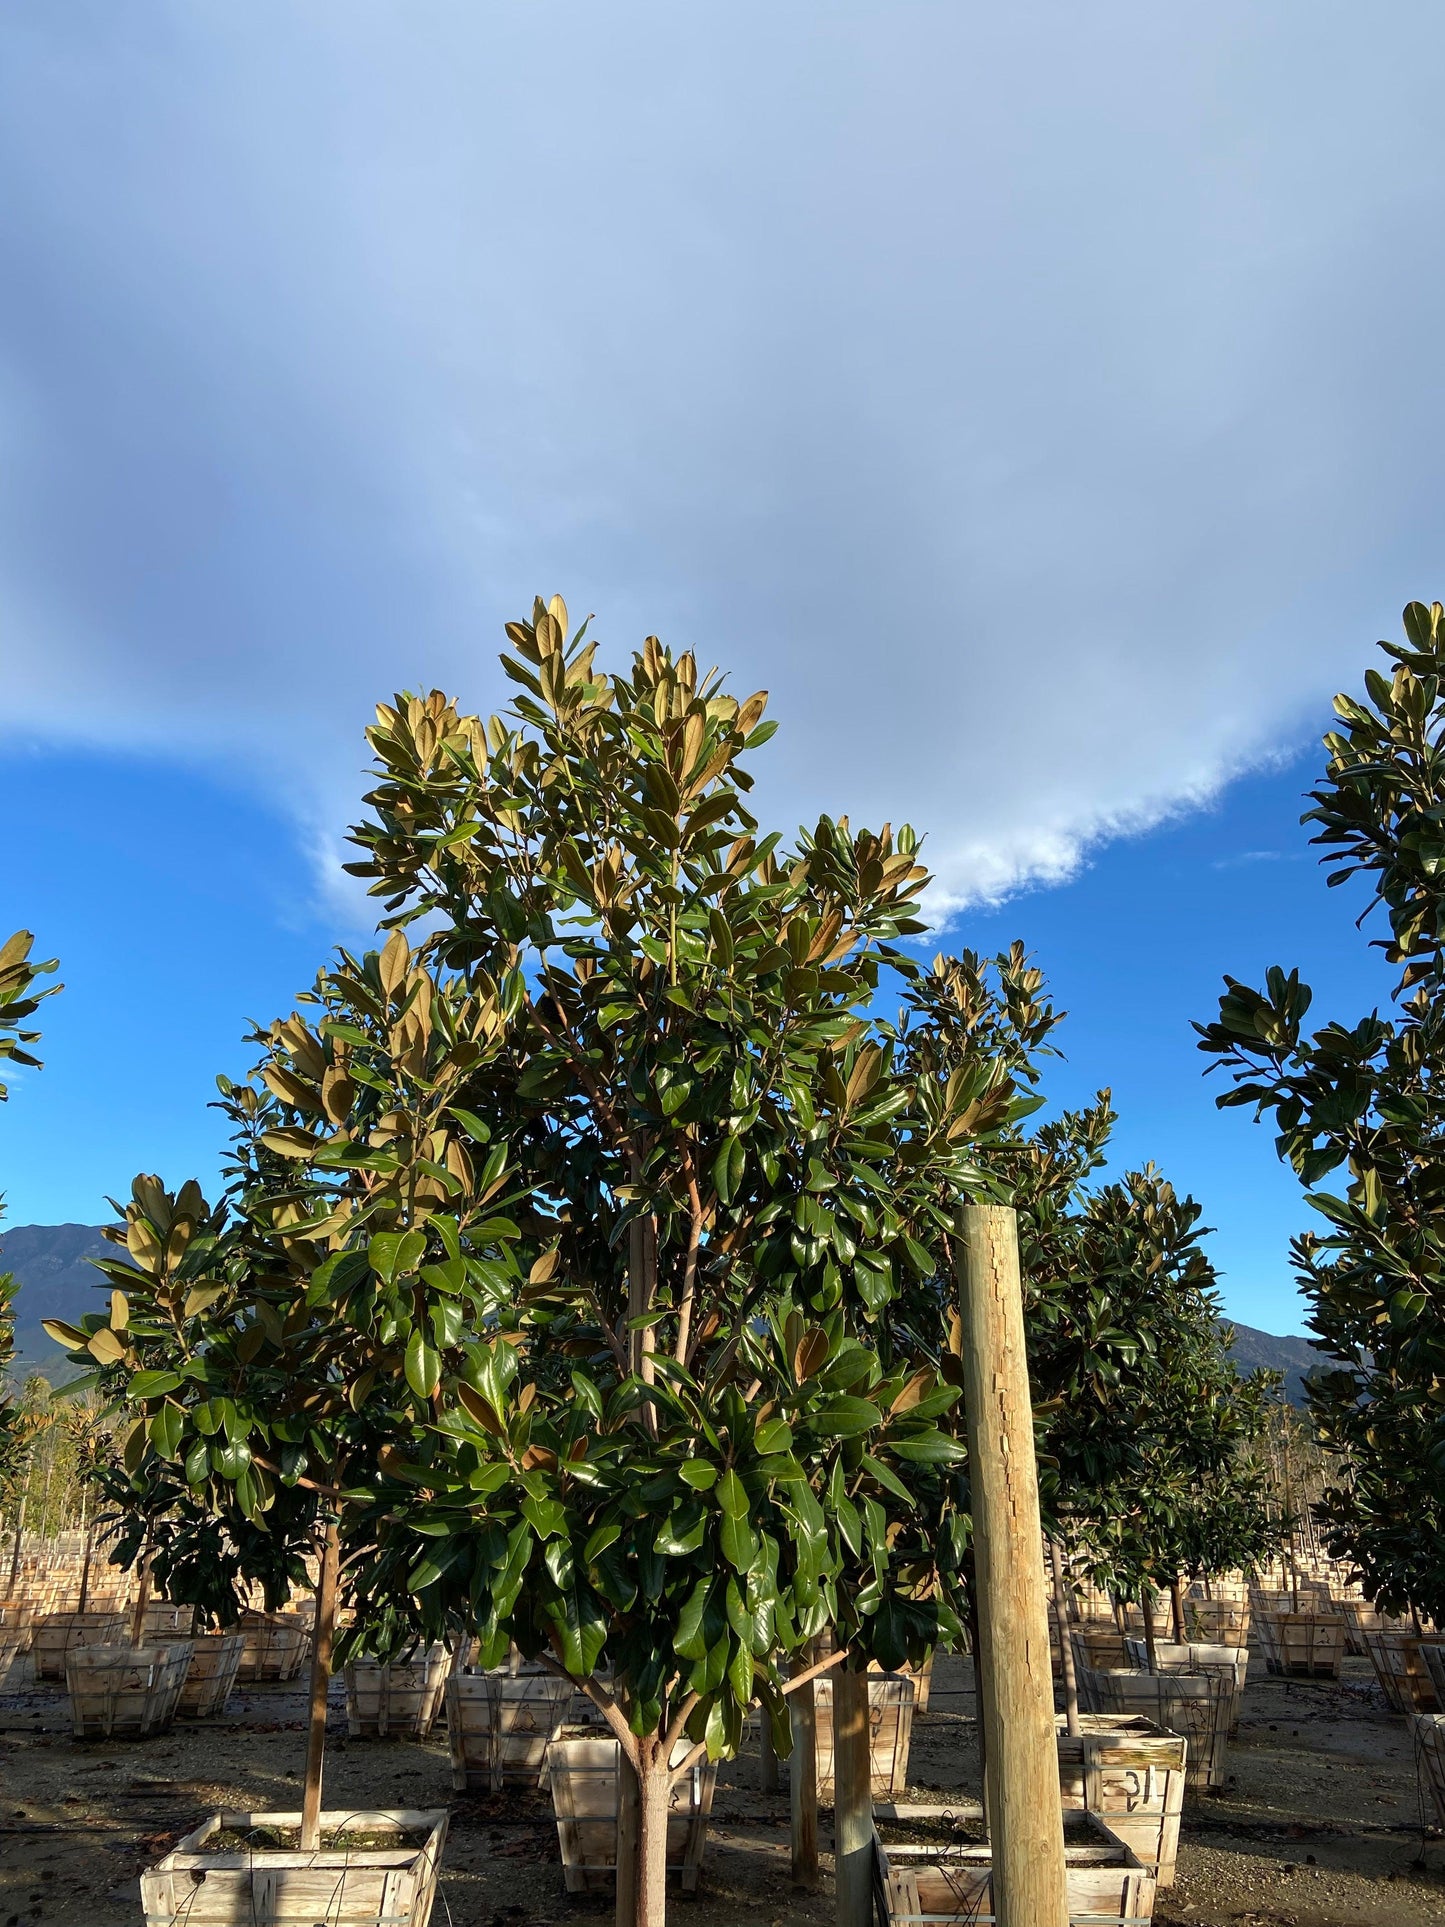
803, 1780
1066, 1640
1016, 1682
852, 1800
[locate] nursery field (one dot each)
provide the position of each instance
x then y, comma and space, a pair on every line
1319, 1826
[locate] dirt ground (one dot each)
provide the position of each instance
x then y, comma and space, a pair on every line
1320, 1826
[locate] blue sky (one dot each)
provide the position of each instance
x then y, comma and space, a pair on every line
182, 907
1042, 402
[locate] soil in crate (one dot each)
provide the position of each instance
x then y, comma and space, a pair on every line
288, 1840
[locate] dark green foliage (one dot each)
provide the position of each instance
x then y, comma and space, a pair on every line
1364, 1101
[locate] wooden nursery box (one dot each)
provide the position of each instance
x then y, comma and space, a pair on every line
125, 1692
54, 1635
1130, 1773
922, 1677
1405, 1679
890, 1734
499, 1726
1099, 1646
1432, 1652
583, 1779
276, 1645
211, 1676
1429, 1731
1229, 1663
1195, 1706
1303, 1645
1361, 1617
17, 1616
921, 1885
398, 1701
201, 1884
1217, 1622
12, 1644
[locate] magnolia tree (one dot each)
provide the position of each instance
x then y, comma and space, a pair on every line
19, 1000
1152, 1468
277, 1350
713, 1419
1364, 1101
588, 1264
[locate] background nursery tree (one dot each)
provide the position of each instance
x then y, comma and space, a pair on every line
1366, 1102
706, 1426
19, 1000
1149, 1430
277, 1350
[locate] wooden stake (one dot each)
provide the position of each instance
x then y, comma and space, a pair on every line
1066, 1644
1016, 1680
803, 1781
325, 1629
852, 1800
629, 1839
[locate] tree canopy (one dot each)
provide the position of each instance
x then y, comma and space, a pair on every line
1364, 1100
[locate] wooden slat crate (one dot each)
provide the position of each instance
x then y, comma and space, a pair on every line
211, 1675
1130, 1773
1303, 1645
1429, 1731
1193, 1705
1228, 1663
1432, 1652
165, 1621
499, 1725
931, 1886
124, 1692
276, 1646
890, 1734
1217, 1622
1100, 1646
54, 1635
399, 1701
12, 1644
17, 1616
922, 1677
200, 1886
583, 1778
1403, 1675
1361, 1617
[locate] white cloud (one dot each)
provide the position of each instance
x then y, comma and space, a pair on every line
1042, 404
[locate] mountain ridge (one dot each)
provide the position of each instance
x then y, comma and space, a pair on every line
56, 1280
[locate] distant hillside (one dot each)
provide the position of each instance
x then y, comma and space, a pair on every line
1256, 1350
49, 1263
49, 1260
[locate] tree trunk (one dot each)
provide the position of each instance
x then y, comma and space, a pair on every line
142, 1600
325, 1629
852, 1799
85, 1558
1024, 1809
768, 1757
803, 1780
1176, 1602
1066, 1644
654, 1789
19, 1539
